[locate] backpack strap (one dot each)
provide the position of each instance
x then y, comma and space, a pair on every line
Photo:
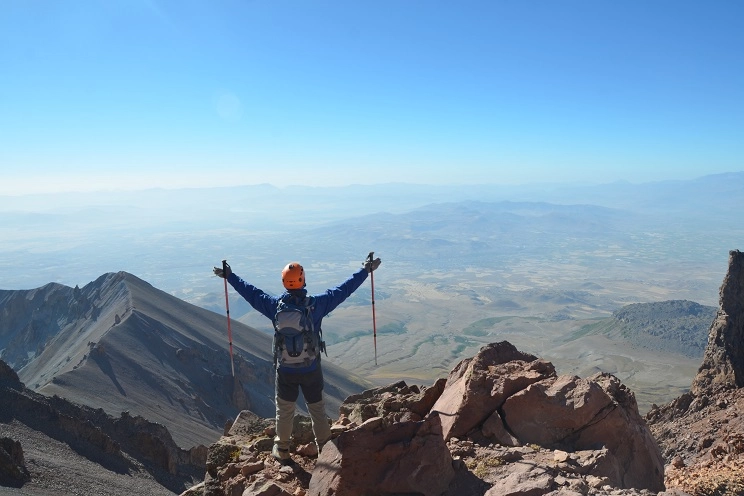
308, 303
309, 307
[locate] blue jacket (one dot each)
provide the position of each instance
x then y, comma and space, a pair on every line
325, 303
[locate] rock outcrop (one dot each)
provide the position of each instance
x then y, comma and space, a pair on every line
701, 433
8, 377
723, 362
501, 423
13, 471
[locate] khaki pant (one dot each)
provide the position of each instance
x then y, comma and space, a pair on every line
288, 386
285, 421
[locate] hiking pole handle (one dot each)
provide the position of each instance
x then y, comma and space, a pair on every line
227, 302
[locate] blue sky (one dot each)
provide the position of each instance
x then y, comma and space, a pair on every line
142, 93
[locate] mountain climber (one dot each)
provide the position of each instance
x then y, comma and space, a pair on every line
300, 369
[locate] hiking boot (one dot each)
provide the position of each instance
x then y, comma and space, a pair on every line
281, 454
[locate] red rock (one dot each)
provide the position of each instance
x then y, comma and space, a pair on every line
579, 414
383, 457
478, 386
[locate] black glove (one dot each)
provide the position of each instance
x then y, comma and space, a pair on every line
371, 263
223, 273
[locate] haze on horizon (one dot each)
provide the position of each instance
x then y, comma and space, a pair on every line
135, 95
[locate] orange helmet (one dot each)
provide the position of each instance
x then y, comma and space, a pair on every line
293, 276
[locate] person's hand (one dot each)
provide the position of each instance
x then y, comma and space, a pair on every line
371, 264
223, 273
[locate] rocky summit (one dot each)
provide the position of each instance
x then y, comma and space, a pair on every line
502, 423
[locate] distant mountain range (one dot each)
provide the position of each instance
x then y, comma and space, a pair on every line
449, 234
73, 238
122, 345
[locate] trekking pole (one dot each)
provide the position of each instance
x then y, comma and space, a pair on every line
374, 324
227, 307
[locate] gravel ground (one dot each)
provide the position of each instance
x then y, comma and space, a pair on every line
56, 469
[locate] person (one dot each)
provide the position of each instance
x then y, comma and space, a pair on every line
290, 380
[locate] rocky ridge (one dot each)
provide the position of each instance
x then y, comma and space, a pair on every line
502, 423
128, 443
701, 433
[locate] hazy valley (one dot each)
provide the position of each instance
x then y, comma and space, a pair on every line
461, 266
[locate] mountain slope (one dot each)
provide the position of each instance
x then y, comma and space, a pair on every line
30, 319
63, 448
138, 349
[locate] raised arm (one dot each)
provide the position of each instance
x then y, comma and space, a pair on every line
257, 298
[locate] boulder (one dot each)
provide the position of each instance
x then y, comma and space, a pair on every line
525, 479
13, 470
384, 457
478, 386
551, 412
574, 414
248, 423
